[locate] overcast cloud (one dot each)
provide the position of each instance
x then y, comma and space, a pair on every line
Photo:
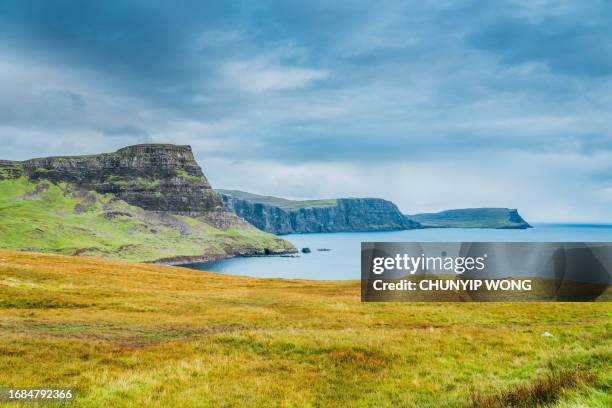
432, 104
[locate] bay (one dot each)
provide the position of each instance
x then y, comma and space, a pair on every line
342, 261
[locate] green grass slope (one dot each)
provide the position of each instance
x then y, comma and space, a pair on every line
133, 335
46, 217
472, 218
283, 203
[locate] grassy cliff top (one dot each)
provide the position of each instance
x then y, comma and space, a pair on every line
59, 218
129, 335
487, 217
277, 201
133, 148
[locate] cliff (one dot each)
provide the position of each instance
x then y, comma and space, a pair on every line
282, 216
143, 202
157, 177
499, 218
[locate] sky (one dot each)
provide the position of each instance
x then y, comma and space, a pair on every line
430, 104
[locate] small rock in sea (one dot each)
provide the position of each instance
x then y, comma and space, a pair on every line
323, 249
305, 250
546, 334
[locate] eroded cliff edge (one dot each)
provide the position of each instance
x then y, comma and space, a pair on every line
282, 216
144, 202
157, 177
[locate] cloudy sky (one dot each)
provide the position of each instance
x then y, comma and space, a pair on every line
432, 104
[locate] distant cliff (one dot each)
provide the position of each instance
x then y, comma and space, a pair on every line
143, 202
499, 218
282, 216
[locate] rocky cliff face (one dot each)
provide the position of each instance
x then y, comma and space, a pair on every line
156, 177
345, 214
10, 169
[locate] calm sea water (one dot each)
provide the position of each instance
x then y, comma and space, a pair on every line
343, 259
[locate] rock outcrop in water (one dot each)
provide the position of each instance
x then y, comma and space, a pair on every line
281, 216
498, 218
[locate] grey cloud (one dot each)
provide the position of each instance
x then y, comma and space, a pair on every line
127, 131
574, 43
322, 85
50, 108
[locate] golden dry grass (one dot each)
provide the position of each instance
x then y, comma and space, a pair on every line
128, 334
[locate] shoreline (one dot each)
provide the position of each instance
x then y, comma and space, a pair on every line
190, 259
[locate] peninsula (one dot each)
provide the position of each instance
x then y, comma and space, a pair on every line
144, 203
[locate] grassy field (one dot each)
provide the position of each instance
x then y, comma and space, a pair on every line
58, 218
128, 335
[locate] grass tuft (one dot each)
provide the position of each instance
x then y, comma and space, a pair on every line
540, 391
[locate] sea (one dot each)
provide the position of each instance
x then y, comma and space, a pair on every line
337, 255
